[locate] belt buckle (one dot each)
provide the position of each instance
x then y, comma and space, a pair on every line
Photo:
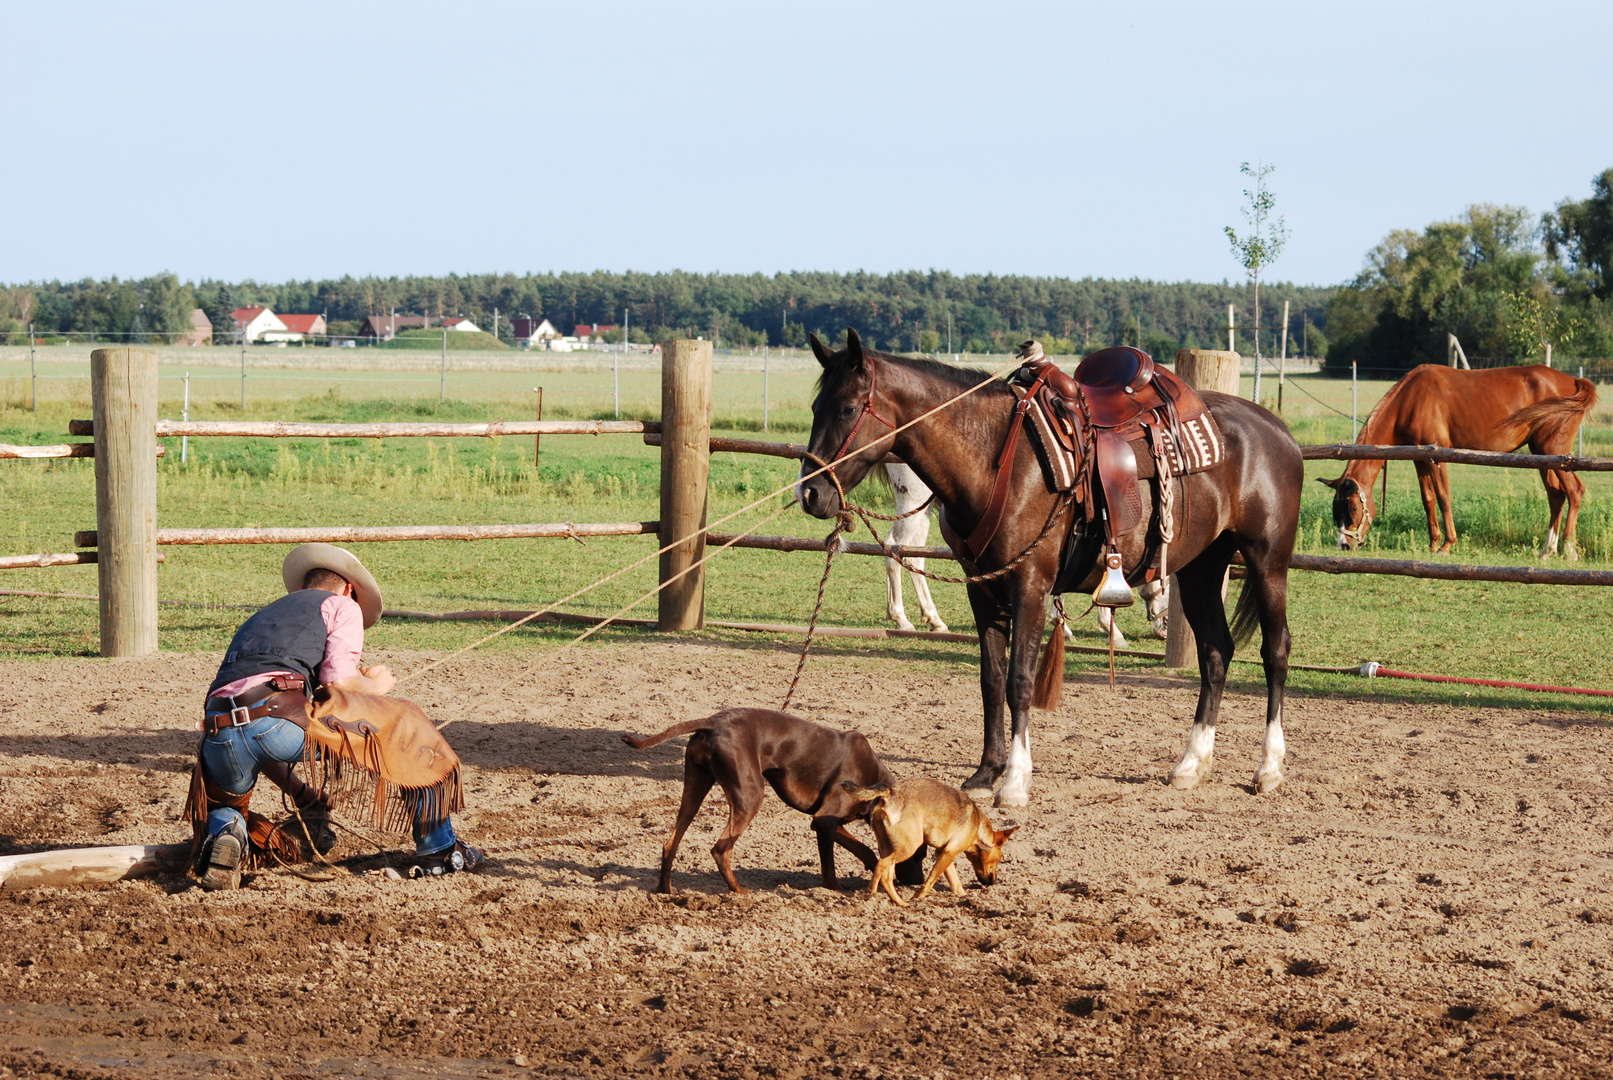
239, 714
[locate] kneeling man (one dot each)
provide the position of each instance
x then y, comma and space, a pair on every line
291, 689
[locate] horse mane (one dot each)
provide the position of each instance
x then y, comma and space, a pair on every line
961, 377
1388, 399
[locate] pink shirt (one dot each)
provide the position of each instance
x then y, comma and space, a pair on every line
344, 642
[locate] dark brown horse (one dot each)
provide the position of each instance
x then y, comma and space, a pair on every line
1493, 409
1248, 503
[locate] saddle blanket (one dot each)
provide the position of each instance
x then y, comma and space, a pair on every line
1201, 447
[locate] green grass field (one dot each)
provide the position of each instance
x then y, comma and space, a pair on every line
1537, 634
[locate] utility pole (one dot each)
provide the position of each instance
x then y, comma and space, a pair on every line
184, 440
1232, 334
243, 369
764, 387
1355, 429
33, 372
1580, 452
949, 336
1282, 362
495, 324
442, 374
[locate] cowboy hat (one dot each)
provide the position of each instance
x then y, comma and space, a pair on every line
339, 560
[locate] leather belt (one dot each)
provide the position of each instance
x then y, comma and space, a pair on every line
252, 704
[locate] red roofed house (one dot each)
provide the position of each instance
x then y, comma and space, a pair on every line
592, 331
251, 323
386, 327
298, 328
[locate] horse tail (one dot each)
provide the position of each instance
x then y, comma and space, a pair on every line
1049, 684
1246, 616
1554, 419
672, 732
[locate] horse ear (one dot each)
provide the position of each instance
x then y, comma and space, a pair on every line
854, 349
1329, 483
820, 350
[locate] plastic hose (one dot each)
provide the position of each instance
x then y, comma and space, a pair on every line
1374, 670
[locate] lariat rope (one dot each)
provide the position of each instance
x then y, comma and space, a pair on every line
989, 380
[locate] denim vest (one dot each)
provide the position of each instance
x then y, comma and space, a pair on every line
288, 635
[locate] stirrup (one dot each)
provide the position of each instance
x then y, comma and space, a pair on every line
1113, 590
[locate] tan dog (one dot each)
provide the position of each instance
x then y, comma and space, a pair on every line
913, 813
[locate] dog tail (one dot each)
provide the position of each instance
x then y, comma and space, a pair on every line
672, 732
867, 794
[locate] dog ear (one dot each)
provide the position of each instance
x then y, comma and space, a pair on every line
1330, 483
820, 350
1003, 835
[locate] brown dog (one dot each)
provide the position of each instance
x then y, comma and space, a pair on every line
909, 815
806, 763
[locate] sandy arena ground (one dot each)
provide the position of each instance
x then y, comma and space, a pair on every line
1428, 894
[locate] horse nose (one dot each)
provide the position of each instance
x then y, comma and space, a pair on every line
808, 497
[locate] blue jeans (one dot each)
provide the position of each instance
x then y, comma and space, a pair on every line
235, 756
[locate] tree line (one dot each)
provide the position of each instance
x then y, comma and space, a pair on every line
912, 311
1506, 283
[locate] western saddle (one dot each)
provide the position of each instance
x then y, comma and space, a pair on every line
1117, 400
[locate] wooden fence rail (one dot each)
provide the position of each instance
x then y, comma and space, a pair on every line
282, 429
348, 534
1359, 452
66, 558
58, 450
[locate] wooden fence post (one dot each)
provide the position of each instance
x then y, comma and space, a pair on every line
685, 465
1202, 369
123, 390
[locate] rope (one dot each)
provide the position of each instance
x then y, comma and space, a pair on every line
707, 528
832, 545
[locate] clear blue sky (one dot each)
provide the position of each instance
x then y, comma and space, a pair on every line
301, 140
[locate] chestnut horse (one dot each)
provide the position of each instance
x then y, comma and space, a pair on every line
1491, 409
1248, 503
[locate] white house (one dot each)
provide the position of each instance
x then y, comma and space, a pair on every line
252, 323
465, 325
533, 332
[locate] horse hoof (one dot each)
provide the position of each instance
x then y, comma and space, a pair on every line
1012, 799
1264, 785
938, 627
903, 624
982, 782
1184, 781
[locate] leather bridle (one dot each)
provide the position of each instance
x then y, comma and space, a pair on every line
867, 411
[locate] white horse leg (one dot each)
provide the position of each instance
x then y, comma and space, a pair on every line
1016, 785
1156, 598
1106, 623
1550, 547
893, 595
914, 531
921, 589
1270, 773
1199, 756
